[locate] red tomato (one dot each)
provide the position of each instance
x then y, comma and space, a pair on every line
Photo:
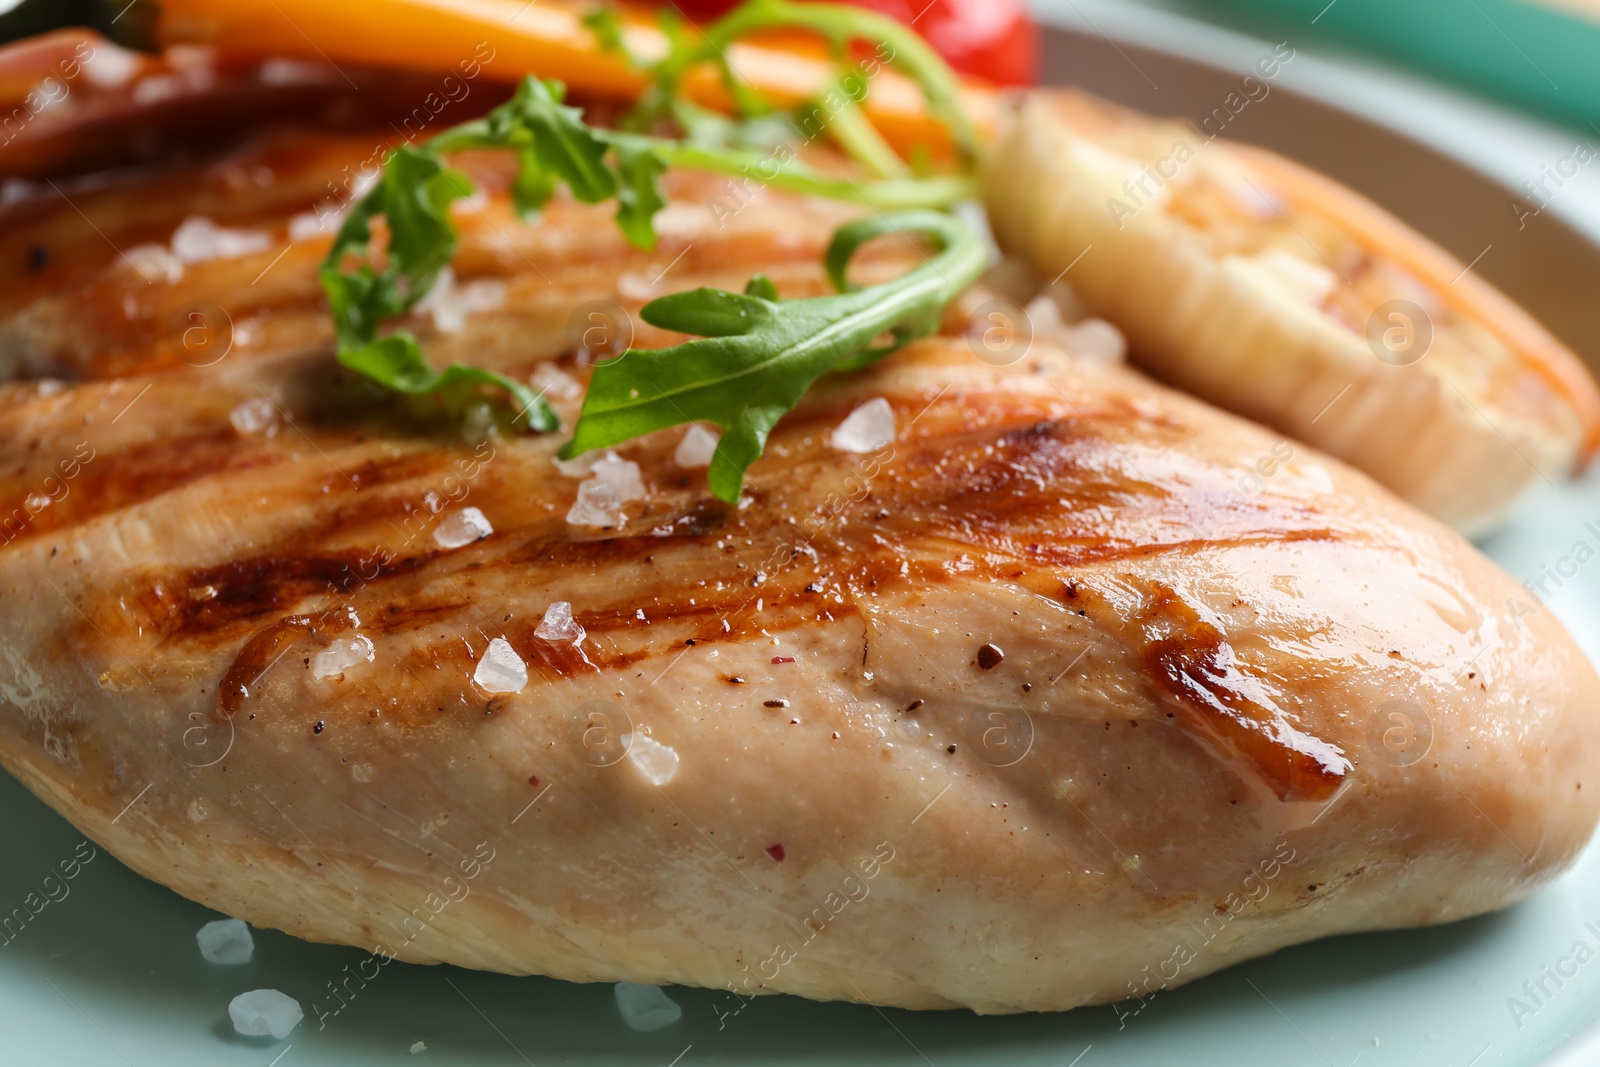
990, 39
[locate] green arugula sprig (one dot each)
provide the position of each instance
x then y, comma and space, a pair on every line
756, 355
413, 194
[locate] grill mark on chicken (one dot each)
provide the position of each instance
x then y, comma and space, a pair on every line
714, 601
989, 481
136, 473
97, 317
263, 650
1190, 659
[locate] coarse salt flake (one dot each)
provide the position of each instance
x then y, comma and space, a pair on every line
646, 1007
462, 528
226, 941
558, 625
256, 415
265, 1013
622, 475
1097, 341
110, 67
1092, 340
598, 505
341, 654
552, 381
501, 670
198, 239
450, 303
291, 72
657, 762
156, 88
154, 263
699, 444
309, 224
867, 428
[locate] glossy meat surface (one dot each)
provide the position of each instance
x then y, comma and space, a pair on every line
1075, 690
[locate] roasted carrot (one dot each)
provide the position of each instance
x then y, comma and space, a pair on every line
545, 38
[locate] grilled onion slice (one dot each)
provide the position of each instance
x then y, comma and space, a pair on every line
1279, 294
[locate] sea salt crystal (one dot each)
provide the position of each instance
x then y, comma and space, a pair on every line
462, 528
418, 1046
620, 474
655, 761
867, 428
558, 625
265, 1013
310, 224
552, 381
154, 263
198, 239
1096, 340
291, 72
699, 444
255, 415
156, 88
14, 190
226, 941
1092, 340
110, 67
450, 303
646, 1007
501, 670
192, 57
680, 219
341, 654
632, 285
598, 504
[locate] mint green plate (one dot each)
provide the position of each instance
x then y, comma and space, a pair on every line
110, 974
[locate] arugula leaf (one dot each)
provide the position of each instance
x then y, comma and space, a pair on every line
606, 25
413, 194
397, 361
553, 137
757, 355
554, 146
639, 170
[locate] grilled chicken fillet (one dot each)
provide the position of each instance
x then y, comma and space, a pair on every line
1075, 690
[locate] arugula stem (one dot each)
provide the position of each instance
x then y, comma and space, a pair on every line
889, 194
839, 23
860, 139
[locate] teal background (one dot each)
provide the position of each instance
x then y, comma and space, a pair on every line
1540, 58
